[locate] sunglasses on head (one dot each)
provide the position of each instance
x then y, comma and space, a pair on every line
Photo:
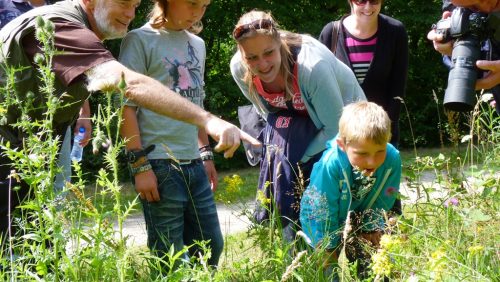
363, 2
258, 24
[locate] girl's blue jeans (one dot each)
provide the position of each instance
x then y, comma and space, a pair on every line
186, 211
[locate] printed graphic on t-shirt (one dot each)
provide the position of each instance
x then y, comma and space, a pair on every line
186, 76
283, 122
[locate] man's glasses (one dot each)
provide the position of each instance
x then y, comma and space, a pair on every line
363, 2
258, 24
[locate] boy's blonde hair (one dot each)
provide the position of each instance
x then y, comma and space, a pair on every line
364, 121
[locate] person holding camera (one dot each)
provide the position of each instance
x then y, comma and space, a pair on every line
490, 63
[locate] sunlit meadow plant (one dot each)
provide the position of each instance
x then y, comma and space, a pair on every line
450, 234
77, 237
231, 187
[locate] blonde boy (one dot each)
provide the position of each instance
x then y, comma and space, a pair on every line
358, 177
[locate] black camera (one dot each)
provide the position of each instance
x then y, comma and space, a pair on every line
468, 28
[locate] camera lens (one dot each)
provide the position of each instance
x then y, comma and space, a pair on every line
460, 93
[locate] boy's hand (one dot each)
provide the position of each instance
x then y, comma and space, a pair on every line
372, 237
331, 257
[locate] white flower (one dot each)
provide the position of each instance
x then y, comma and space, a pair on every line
486, 97
466, 138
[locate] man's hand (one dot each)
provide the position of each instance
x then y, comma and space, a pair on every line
492, 77
227, 135
147, 186
443, 48
212, 174
87, 124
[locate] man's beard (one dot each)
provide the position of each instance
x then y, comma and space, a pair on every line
101, 15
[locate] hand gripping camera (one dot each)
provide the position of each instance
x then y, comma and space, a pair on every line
468, 28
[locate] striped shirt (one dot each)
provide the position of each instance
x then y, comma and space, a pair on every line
361, 52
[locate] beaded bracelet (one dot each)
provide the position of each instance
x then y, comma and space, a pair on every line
142, 168
205, 148
207, 156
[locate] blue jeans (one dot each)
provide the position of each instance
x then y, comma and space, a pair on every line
186, 211
63, 161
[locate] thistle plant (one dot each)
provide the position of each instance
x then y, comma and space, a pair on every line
35, 163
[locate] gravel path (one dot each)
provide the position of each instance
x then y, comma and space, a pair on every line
230, 219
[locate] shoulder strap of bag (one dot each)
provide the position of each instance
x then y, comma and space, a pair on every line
335, 35
295, 50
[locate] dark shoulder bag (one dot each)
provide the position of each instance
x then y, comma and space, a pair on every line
335, 35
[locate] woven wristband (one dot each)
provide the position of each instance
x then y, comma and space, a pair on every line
142, 168
207, 156
205, 148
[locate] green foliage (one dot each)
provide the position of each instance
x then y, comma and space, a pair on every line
449, 232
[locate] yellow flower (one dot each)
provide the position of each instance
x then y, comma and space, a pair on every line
262, 199
437, 263
233, 183
477, 249
381, 263
388, 242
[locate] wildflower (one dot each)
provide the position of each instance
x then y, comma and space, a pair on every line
388, 242
392, 221
233, 183
262, 199
437, 262
316, 200
412, 278
450, 202
477, 249
106, 144
486, 97
97, 141
466, 138
479, 229
13, 174
493, 104
33, 157
381, 263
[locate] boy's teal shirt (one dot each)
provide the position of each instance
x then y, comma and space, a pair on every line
328, 199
